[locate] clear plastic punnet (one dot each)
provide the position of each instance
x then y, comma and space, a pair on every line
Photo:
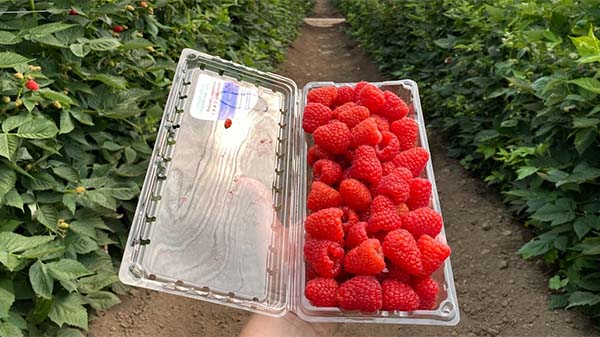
221, 213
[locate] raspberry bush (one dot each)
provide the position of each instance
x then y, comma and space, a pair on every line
515, 88
83, 85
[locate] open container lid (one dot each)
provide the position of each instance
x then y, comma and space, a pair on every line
213, 220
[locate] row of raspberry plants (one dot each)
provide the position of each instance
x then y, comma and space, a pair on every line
82, 87
515, 88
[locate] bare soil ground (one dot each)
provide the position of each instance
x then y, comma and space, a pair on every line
499, 294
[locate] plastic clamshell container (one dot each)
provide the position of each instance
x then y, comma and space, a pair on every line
221, 213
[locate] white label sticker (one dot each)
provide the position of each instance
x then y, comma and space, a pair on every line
217, 99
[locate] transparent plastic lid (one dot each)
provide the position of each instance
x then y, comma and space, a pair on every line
212, 218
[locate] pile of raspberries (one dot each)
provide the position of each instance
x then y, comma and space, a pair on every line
371, 234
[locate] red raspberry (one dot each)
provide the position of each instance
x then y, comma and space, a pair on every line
315, 153
401, 248
387, 168
389, 146
395, 273
403, 173
32, 85
420, 193
334, 137
371, 97
378, 235
433, 253
382, 123
383, 215
345, 94
360, 293
315, 115
394, 187
365, 259
353, 115
365, 165
322, 292
407, 131
402, 209
322, 196
73, 12
118, 29
356, 235
326, 224
365, 133
311, 273
342, 108
349, 218
398, 296
355, 194
346, 174
394, 107
422, 221
414, 159
357, 89
327, 171
427, 289
324, 256
323, 95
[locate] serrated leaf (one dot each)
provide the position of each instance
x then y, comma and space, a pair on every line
84, 228
95, 283
559, 212
122, 193
67, 269
111, 146
10, 59
9, 146
45, 251
82, 117
16, 320
130, 154
69, 201
14, 199
585, 122
55, 96
583, 224
8, 329
82, 244
68, 308
7, 296
47, 29
555, 283
48, 216
79, 49
110, 80
102, 300
40, 279
525, 171
66, 123
43, 181
535, 247
14, 243
103, 44
14, 122
38, 128
8, 38
8, 179
584, 138
69, 332
9, 225
581, 173
137, 44
581, 298
587, 83
102, 199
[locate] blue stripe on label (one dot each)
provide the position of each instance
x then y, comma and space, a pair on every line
228, 100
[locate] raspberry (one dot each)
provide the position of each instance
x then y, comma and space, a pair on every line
395, 273
365, 259
387, 168
311, 273
353, 115
346, 174
382, 123
394, 187
355, 194
388, 148
414, 159
357, 89
407, 131
349, 218
422, 221
378, 235
402, 209
356, 235
383, 215
433, 253
403, 173
323, 95
324, 256
322, 196
394, 107
73, 12
334, 137
321, 292
401, 248
420, 193
398, 296
371, 97
360, 293
365, 165
32, 85
315, 115
326, 224
118, 29
342, 108
327, 171
365, 133
345, 94
427, 289
315, 153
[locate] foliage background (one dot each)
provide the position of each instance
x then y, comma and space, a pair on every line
514, 88
73, 154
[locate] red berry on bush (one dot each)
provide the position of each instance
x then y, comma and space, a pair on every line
32, 85
118, 28
73, 12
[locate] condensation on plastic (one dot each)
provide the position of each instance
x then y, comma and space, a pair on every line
221, 212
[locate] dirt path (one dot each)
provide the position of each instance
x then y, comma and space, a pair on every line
498, 293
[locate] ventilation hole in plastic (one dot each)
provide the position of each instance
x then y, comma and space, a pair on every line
156, 197
144, 242
447, 308
221, 72
202, 66
231, 294
152, 277
150, 218
182, 96
205, 288
179, 283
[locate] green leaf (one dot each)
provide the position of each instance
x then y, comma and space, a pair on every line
8, 179
14, 199
587, 83
581, 173
580, 298
16, 320
583, 224
84, 228
82, 244
66, 172
7, 296
66, 123
559, 212
110, 80
38, 128
67, 269
10, 59
9, 146
46, 251
55, 96
41, 281
130, 154
9, 225
8, 329
48, 216
122, 193
535, 247
584, 138
102, 199
14, 122
104, 44
585, 122
69, 200
525, 171
69, 332
82, 117
136, 44
587, 46
47, 29
40, 310
102, 300
79, 49
555, 283
14, 243
68, 308
8, 38
95, 283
